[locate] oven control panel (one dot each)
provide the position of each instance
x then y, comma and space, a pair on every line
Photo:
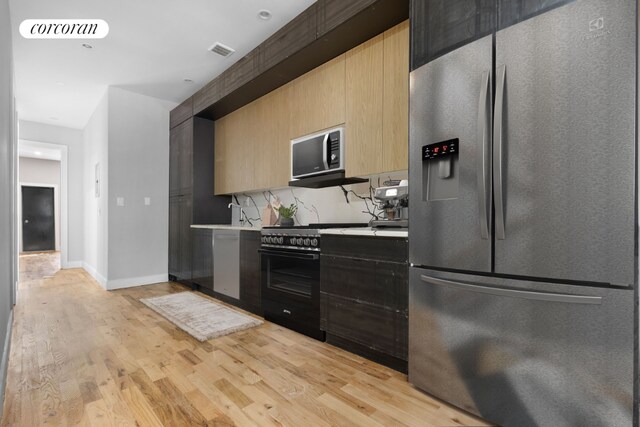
300, 241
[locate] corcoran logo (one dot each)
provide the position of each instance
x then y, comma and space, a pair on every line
64, 29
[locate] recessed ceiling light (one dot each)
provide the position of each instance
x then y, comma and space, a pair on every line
188, 81
264, 14
38, 153
60, 83
87, 45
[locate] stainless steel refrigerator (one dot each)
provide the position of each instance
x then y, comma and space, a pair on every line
523, 216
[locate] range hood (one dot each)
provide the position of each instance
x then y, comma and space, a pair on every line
333, 179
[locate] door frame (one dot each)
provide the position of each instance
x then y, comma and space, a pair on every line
64, 197
56, 217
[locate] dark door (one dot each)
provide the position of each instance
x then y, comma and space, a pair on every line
38, 219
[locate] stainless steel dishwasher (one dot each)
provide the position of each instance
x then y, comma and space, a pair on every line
226, 262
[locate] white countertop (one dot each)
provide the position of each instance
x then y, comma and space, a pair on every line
367, 231
225, 227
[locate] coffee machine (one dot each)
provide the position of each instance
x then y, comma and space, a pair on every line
393, 200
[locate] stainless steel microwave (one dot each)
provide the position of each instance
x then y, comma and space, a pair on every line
318, 153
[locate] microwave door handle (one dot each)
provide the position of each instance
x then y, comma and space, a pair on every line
325, 146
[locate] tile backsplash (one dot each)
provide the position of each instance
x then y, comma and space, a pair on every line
316, 205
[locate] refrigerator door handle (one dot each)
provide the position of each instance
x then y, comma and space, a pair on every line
484, 160
497, 152
513, 293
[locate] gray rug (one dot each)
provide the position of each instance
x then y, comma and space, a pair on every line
201, 318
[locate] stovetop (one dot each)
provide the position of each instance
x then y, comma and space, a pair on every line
318, 226
299, 238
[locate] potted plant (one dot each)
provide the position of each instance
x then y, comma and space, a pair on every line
286, 215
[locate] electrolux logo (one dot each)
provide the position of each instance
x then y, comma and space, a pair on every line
64, 29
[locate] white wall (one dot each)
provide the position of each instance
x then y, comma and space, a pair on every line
73, 139
8, 160
47, 173
95, 140
138, 168
325, 205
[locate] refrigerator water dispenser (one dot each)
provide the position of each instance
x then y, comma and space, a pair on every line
440, 170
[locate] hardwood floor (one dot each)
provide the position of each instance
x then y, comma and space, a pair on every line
84, 356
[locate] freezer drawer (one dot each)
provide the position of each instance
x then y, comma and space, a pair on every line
523, 353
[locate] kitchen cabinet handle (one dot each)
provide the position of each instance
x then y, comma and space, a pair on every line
484, 160
514, 293
497, 153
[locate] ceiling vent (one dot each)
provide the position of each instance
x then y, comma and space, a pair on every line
221, 49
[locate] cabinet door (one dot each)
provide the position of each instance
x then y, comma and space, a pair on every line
365, 302
174, 236
271, 167
395, 121
185, 208
181, 158
363, 139
332, 13
317, 99
440, 26
184, 134
250, 279
176, 136
202, 257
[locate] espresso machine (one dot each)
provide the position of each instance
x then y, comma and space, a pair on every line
393, 200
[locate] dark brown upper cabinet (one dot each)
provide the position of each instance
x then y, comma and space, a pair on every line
513, 11
240, 73
181, 113
440, 26
181, 159
208, 95
333, 13
291, 38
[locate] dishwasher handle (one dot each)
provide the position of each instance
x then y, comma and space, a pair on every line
513, 293
226, 236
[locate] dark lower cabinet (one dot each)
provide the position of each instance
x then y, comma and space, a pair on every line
202, 258
250, 280
180, 213
364, 296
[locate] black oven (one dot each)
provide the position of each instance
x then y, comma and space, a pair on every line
291, 289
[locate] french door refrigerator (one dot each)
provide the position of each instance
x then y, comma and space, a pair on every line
522, 234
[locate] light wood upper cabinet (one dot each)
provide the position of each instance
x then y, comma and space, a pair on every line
363, 127
234, 151
395, 124
316, 99
366, 88
377, 99
271, 158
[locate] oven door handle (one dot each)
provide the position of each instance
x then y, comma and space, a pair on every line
289, 254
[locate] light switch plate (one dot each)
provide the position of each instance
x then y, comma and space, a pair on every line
147, 201
120, 201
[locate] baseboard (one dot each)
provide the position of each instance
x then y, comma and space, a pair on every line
5, 360
72, 264
136, 281
94, 273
